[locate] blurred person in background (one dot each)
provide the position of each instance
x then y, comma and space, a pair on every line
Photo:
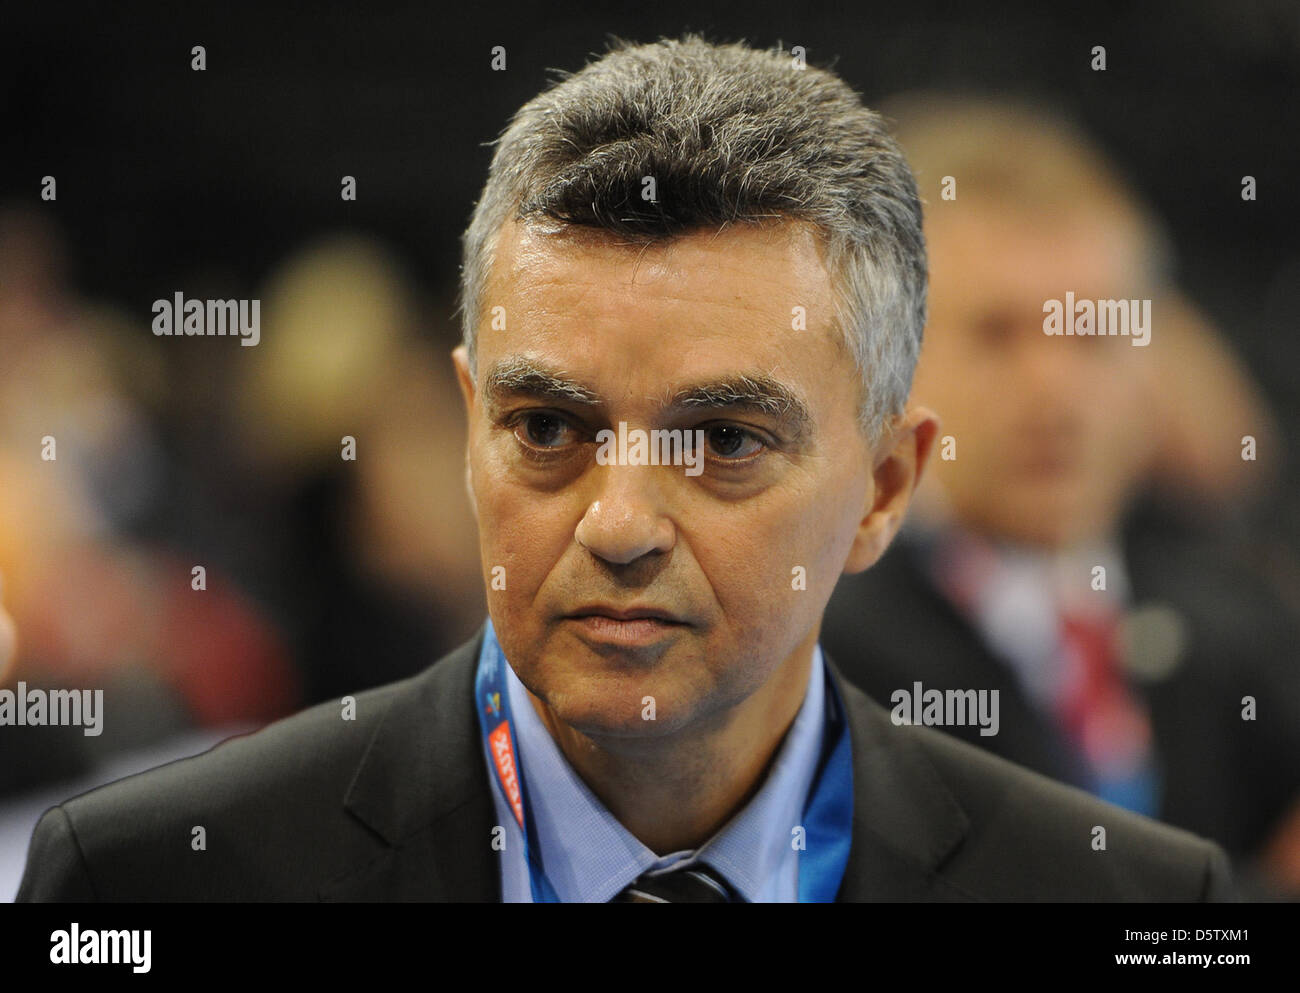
1126, 648
321, 576
348, 433
102, 602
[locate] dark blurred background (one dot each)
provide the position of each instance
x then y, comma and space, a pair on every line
326, 576
164, 172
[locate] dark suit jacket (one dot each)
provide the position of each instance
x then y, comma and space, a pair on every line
1225, 778
396, 805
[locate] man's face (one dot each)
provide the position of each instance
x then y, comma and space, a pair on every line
720, 555
1048, 429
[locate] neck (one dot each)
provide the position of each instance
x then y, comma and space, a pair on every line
674, 792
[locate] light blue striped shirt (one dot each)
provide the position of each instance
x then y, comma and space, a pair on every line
589, 857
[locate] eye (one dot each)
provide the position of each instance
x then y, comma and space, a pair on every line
540, 429
995, 327
732, 443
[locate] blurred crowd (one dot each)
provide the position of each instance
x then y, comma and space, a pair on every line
326, 575
1084, 543
126, 461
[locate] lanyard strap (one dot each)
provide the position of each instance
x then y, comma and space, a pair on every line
828, 814
493, 706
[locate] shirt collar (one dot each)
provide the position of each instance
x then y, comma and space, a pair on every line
588, 856
1015, 595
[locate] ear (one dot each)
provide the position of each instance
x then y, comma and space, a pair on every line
900, 458
460, 359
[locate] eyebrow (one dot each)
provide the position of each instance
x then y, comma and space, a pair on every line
522, 377
754, 392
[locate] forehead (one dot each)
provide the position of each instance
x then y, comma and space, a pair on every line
991, 248
641, 320
750, 269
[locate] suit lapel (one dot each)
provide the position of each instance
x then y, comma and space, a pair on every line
905, 820
422, 787
908, 617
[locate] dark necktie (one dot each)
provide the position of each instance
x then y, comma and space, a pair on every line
695, 884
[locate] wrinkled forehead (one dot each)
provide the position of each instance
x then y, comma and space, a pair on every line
787, 252
744, 311
756, 285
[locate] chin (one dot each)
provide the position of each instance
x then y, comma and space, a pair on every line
1042, 525
604, 717
1043, 516
619, 704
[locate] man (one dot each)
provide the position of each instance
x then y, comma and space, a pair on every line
1125, 652
712, 249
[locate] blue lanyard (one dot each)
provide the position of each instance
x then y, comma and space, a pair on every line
828, 815
493, 706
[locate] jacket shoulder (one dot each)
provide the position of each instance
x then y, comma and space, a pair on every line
1033, 838
976, 826
259, 816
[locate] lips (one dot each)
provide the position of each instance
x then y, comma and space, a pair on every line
606, 628
626, 613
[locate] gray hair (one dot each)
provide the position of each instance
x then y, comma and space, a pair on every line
730, 133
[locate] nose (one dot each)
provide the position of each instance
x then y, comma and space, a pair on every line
626, 520
1059, 373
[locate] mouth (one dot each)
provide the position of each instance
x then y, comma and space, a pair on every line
1048, 465
631, 627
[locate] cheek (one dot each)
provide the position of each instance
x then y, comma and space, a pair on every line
1125, 391
961, 389
1115, 403
828, 534
780, 556
521, 534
